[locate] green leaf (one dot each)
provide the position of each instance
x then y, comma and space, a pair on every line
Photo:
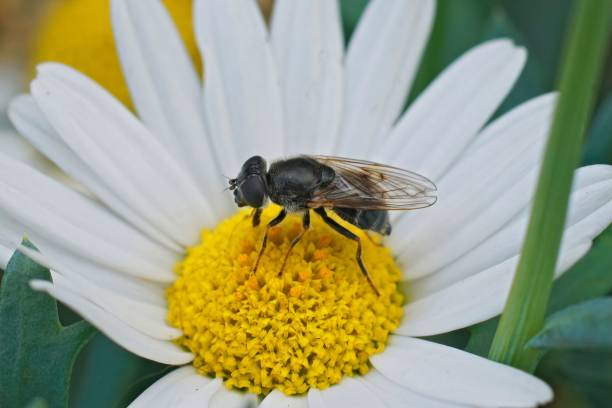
37, 352
589, 278
585, 374
585, 366
105, 372
586, 325
524, 313
598, 148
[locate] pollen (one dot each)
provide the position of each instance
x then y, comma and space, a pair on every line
304, 327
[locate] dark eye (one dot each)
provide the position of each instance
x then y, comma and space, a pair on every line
252, 191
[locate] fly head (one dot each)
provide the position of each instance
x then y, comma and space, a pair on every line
250, 186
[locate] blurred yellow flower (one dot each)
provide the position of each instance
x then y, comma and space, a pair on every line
78, 33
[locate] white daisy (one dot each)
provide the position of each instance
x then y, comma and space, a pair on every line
157, 184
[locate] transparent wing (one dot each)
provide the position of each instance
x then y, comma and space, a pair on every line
372, 186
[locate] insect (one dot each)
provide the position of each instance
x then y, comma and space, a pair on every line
359, 191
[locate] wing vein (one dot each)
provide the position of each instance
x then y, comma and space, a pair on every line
367, 185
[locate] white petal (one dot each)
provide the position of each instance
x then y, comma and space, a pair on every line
118, 148
166, 90
396, 396
314, 399
186, 388
69, 265
277, 399
33, 125
456, 376
349, 393
183, 388
11, 235
192, 392
242, 95
78, 224
381, 61
442, 122
225, 398
483, 192
164, 384
131, 339
588, 205
472, 300
17, 147
146, 318
6, 252
307, 43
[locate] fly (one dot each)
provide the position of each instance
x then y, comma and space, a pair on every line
358, 191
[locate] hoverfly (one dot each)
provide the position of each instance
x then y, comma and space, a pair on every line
359, 191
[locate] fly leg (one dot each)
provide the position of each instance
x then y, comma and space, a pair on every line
348, 234
256, 217
275, 221
305, 226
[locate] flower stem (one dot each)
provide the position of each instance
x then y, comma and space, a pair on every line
523, 315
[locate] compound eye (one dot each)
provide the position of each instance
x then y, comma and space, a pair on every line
238, 199
253, 191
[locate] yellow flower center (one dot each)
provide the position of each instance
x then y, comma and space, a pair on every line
308, 327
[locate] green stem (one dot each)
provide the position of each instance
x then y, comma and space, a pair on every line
524, 313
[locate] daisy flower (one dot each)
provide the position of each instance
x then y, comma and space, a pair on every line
158, 259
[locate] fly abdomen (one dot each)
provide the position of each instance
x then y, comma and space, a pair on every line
372, 220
